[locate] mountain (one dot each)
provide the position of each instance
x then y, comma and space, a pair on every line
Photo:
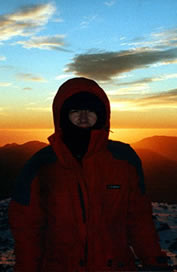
159, 159
12, 159
164, 145
160, 175
158, 155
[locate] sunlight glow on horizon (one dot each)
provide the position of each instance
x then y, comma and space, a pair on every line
128, 135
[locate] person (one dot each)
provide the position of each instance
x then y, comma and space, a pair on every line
80, 203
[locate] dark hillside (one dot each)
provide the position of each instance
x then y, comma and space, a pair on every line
160, 176
12, 159
157, 154
164, 145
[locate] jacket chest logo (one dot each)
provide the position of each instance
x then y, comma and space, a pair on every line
113, 186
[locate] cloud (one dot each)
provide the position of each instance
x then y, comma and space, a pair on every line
30, 77
7, 67
105, 65
5, 84
35, 13
87, 21
2, 58
39, 109
122, 106
162, 99
33, 106
166, 38
58, 20
26, 21
27, 89
159, 40
45, 43
148, 80
122, 38
110, 3
63, 76
2, 113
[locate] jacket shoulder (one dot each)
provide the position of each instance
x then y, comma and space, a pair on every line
123, 151
23, 181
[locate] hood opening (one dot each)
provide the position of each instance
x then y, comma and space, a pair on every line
77, 138
79, 93
74, 86
83, 101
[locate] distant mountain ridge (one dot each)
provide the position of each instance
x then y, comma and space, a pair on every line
159, 159
164, 145
157, 154
12, 158
31, 145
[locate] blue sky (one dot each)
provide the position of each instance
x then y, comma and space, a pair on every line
128, 47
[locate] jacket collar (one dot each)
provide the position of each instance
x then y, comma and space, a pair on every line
98, 142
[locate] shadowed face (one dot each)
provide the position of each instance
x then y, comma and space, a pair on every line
83, 118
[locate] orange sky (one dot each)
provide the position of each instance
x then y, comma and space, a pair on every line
129, 126
121, 117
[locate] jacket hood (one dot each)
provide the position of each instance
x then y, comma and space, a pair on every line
74, 86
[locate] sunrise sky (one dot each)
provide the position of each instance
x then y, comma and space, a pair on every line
128, 46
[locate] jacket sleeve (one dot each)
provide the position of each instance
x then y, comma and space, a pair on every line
27, 223
142, 234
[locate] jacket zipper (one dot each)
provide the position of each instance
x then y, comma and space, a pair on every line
84, 221
82, 203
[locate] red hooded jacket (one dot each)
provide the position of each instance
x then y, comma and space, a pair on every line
83, 217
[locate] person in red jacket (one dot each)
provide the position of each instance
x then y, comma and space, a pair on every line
80, 204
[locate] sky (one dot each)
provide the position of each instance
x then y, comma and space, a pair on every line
128, 46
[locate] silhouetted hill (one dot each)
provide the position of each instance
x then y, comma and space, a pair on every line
160, 176
164, 145
12, 159
158, 155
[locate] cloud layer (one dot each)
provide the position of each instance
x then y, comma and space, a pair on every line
165, 100
2, 58
110, 3
30, 77
28, 21
159, 40
104, 66
147, 80
5, 84
45, 42
25, 21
